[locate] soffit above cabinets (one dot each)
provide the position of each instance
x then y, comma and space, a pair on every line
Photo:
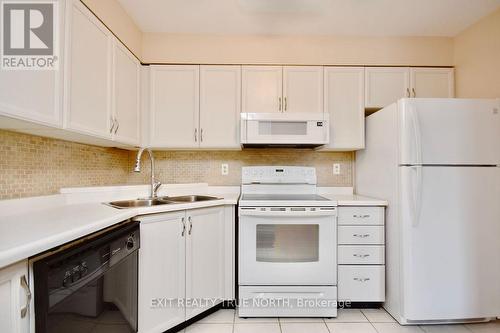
309, 17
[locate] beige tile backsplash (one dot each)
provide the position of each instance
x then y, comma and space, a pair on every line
32, 165
205, 166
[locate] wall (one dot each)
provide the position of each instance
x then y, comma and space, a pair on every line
205, 166
310, 50
32, 165
477, 59
116, 18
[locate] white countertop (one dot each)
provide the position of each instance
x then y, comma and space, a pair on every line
355, 200
30, 226
33, 225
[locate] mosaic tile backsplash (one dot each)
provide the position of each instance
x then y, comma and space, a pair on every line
32, 165
205, 166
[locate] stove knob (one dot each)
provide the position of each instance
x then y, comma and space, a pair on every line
130, 242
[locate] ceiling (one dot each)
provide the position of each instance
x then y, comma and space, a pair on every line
309, 17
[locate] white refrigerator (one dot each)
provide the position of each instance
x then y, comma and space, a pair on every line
437, 162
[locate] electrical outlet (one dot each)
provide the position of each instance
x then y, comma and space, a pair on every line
224, 168
336, 168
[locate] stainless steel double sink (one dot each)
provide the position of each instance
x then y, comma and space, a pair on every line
149, 202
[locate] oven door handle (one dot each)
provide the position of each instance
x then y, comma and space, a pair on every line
329, 211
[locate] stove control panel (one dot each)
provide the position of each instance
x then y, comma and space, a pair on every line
278, 175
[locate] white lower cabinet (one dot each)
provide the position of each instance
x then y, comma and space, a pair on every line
183, 265
14, 298
361, 254
204, 259
362, 283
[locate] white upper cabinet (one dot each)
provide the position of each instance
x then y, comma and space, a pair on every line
174, 106
35, 95
262, 89
344, 101
302, 89
220, 105
15, 298
126, 96
88, 73
432, 82
385, 85
205, 260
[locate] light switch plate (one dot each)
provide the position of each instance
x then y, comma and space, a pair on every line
224, 169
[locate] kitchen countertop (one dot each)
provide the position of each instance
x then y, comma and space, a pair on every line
355, 200
30, 226
33, 225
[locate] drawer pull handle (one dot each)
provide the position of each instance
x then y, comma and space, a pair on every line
361, 235
24, 285
361, 216
360, 255
361, 279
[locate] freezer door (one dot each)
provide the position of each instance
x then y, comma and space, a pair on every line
449, 131
450, 223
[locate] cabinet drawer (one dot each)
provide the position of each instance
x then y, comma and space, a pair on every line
361, 216
361, 283
361, 255
353, 235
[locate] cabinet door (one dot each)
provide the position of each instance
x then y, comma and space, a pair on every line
35, 95
126, 101
205, 259
432, 82
220, 104
303, 89
261, 89
174, 106
161, 272
13, 299
88, 73
345, 103
385, 85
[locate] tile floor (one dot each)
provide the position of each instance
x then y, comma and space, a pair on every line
348, 321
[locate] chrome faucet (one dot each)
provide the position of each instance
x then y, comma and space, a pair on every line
154, 185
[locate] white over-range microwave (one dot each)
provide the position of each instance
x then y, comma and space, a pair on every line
284, 129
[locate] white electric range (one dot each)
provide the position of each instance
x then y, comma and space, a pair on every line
287, 245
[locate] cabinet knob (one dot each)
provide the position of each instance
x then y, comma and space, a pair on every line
195, 135
279, 104
413, 91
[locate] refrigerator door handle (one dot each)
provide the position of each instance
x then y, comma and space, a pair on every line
416, 135
416, 194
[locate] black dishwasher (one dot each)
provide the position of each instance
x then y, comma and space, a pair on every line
89, 285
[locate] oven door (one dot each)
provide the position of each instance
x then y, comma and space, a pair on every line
287, 246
